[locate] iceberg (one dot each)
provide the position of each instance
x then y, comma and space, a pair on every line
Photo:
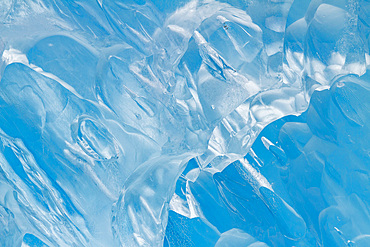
184, 123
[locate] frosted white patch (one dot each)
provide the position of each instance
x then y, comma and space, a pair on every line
193, 205
221, 19
266, 142
356, 68
139, 239
14, 56
180, 206
179, 30
367, 57
199, 39
337, 59
259, 179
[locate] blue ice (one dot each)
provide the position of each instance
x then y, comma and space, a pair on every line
183, 123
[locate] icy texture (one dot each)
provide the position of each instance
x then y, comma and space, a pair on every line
184, 123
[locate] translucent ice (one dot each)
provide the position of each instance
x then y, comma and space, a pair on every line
184, 123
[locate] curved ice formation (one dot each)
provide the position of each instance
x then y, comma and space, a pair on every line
184, 123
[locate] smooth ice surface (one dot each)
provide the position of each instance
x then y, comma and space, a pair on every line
184, 123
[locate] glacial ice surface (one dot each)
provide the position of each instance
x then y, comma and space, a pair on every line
185, 123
